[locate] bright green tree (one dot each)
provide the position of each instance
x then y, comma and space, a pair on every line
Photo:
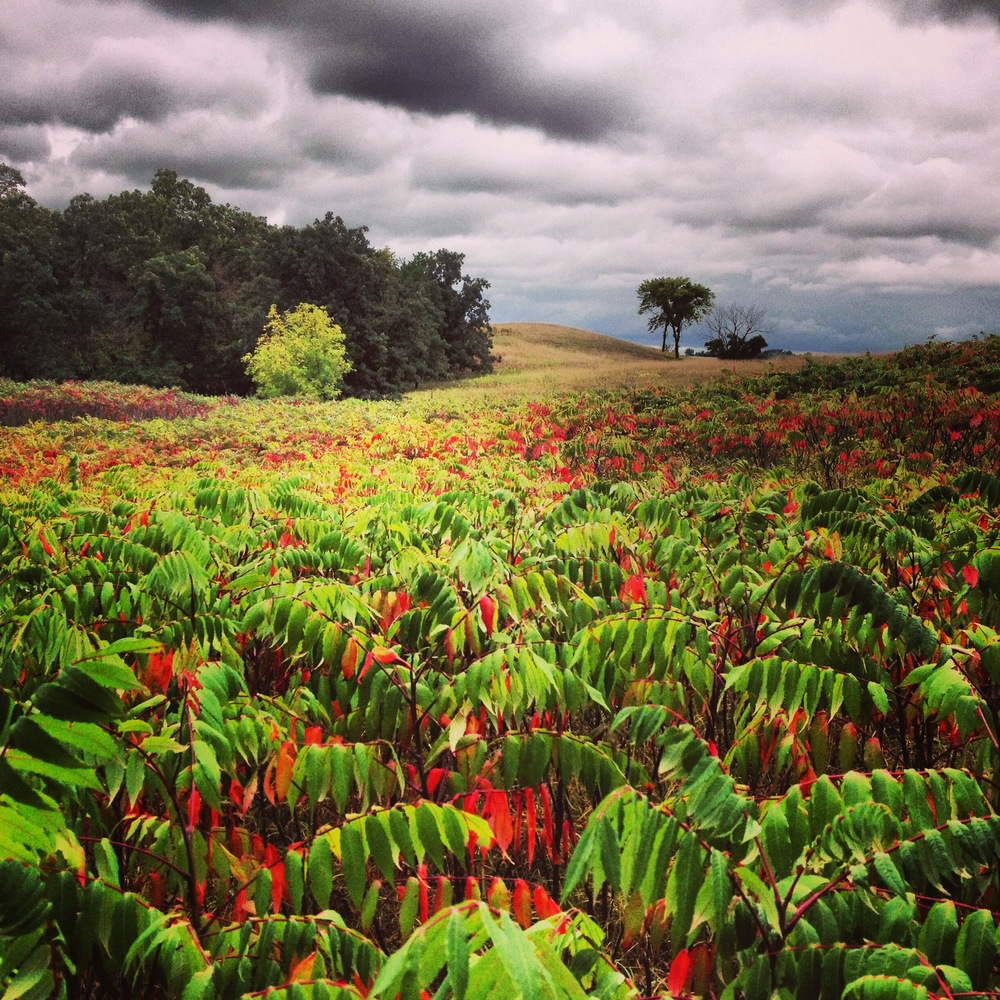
301, 353
674, 303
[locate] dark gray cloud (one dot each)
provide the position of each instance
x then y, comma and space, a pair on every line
24, 143
962, 9
910, 10
430, 58
441, 64
230, 158
94, 102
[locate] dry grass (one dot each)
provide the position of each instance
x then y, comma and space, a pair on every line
540, 360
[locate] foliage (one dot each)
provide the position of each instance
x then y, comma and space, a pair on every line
165, 288
465, 326
674, 304
22, 403
301, 353
302, 700
738, 332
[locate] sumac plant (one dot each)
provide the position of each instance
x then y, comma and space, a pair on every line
616, 695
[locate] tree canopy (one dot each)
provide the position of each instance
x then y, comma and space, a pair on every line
165, 287
674, 303
301, 353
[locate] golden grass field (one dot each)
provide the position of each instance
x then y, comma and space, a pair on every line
540, 360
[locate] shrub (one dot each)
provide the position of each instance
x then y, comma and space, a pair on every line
300, 353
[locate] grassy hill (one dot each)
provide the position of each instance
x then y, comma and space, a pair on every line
544, 359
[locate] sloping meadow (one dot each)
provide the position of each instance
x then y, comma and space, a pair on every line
613, 695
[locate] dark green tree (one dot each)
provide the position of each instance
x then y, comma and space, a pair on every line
738, 332
674, 303
176, 303
463, 310
31, 320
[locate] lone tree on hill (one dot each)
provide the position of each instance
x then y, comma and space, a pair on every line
738, 332
674, 303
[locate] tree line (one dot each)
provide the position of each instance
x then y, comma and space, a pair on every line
165, 287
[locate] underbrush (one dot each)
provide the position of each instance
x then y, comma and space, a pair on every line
25, 402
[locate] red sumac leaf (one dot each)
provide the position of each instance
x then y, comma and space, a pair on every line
677, 978
545, 906
530, 823
499, 818
489, 611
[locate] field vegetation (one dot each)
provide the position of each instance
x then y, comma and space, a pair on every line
596, 676
542, 360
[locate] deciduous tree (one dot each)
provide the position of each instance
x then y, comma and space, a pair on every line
674, 304
301, 353
738, 332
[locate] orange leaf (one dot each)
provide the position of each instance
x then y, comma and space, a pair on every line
303, 971
349, 659
283, 770
522, 903
269, 785
498, 895
422, 897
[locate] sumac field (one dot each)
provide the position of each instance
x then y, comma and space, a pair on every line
619, 694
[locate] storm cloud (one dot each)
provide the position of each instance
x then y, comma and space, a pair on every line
831, 160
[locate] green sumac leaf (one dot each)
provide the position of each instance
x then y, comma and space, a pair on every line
889, 874
319, 871
429, 834
206, 773
610, 853
399, 827
107, 862
939, 934
457, 955
379, 844
341, 774
409, 906
976, 947
884, 987
369, 905
683, 887
294, 870
757, 980
353, 861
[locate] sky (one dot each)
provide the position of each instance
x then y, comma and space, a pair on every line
835, 162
